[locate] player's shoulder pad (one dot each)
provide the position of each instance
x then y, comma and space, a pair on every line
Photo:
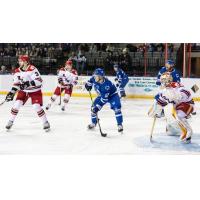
31, 68
108, 82
163, 69
121, 70
17, 70
92, 79
73, 71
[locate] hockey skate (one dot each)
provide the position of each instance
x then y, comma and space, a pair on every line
186, 140
63, 108
91, 126
48, 106
46, 126
9, 125
120, 128
122, 94
194, 113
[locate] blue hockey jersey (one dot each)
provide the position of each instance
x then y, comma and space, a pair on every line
121, 76
104, 90
175, 75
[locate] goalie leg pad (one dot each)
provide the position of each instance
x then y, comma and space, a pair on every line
184, 125
173, 128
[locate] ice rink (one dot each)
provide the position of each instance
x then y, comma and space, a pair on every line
69, 134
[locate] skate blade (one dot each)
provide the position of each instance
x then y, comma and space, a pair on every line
185, 141
47, 130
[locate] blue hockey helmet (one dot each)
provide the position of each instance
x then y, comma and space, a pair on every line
170, 62
99, 72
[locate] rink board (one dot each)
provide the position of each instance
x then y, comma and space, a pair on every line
138, 87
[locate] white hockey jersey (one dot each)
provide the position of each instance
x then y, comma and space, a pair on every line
67, 78
30, 74
175, 94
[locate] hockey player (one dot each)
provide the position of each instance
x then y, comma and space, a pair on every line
121, 79
169, 67
182, 102
107, 93
67, 78
27, 83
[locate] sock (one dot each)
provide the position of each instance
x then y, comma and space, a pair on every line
40, 112
119, 117
66, 99
15, 109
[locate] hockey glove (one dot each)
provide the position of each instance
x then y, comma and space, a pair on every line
60, 81
11, 94
94, 109
88, 87
68, 86
27, 84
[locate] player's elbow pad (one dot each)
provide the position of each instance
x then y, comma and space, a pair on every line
158, 83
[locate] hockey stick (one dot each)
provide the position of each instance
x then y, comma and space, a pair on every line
152, 128
2, 102
102, 134
60, 97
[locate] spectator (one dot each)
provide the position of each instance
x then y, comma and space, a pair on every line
131, 48
109, 48
3, 70
125, 61
73, 58
80, 64
109, 61
93, 48
12, 69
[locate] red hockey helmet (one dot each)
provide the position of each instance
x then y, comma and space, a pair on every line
68, 62
24, 58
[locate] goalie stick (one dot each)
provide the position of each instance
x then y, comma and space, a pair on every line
152, 129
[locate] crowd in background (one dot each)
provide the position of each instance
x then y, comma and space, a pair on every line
52, 55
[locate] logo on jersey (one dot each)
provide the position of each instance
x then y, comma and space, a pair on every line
106, 95
107, 87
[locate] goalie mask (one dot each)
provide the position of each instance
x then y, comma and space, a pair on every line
166, 79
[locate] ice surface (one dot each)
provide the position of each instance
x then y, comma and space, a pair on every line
69, 134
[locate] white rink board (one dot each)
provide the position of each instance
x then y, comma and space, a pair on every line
139, 87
